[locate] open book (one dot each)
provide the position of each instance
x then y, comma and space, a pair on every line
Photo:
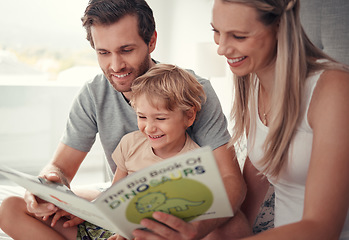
188, 186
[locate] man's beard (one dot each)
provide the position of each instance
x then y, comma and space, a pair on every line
143, 68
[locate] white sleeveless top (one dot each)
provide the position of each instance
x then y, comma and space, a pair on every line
290, 187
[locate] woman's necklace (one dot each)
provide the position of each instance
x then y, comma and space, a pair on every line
265, 120
265, 114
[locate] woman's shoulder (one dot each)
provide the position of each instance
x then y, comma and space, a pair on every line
331, 95
333, 80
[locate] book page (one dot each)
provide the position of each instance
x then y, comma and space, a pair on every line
59, 195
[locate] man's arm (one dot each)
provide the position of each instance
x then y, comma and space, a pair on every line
66, 162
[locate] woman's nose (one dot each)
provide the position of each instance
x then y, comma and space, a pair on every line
223, 47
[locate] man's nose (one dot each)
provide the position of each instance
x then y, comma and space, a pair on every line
117, 63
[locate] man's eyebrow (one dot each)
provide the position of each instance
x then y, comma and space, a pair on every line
122, 47
127, 45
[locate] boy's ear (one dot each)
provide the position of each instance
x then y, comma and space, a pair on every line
191, 114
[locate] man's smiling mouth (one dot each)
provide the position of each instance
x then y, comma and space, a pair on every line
121, 76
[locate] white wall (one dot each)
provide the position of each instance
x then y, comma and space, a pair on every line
183, 25
31, 124
32, 118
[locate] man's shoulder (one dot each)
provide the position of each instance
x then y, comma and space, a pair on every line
200, 79
98, 87
98, 81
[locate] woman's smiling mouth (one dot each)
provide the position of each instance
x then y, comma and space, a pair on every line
235, 60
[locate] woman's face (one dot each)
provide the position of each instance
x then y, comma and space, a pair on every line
248, 45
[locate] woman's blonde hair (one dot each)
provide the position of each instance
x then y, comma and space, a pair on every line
296, 58
176, 87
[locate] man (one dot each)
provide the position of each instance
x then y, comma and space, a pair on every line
122, 32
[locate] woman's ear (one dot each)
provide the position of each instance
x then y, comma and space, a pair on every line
191, 115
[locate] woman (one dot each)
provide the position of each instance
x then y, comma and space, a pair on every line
292, 100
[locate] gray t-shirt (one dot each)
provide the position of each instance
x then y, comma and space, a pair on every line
99, 108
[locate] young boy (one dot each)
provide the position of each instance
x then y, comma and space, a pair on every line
166, 100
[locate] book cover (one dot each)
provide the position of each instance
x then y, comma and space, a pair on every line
188, 186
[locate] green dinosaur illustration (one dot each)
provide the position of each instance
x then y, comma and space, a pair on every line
157, 201
188, 191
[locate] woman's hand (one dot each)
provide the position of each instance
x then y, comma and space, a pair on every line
170, 227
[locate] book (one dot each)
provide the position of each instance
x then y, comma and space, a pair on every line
188, 186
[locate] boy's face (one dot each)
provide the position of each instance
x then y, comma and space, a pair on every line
122, 53
164, 129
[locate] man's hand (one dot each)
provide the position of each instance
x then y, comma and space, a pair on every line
73, 220
62, 169
39, 207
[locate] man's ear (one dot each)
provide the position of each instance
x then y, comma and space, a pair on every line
152, 43
191, 115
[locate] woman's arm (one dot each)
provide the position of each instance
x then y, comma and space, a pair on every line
257, 186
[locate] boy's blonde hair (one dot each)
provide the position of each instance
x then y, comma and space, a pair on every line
176, 87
